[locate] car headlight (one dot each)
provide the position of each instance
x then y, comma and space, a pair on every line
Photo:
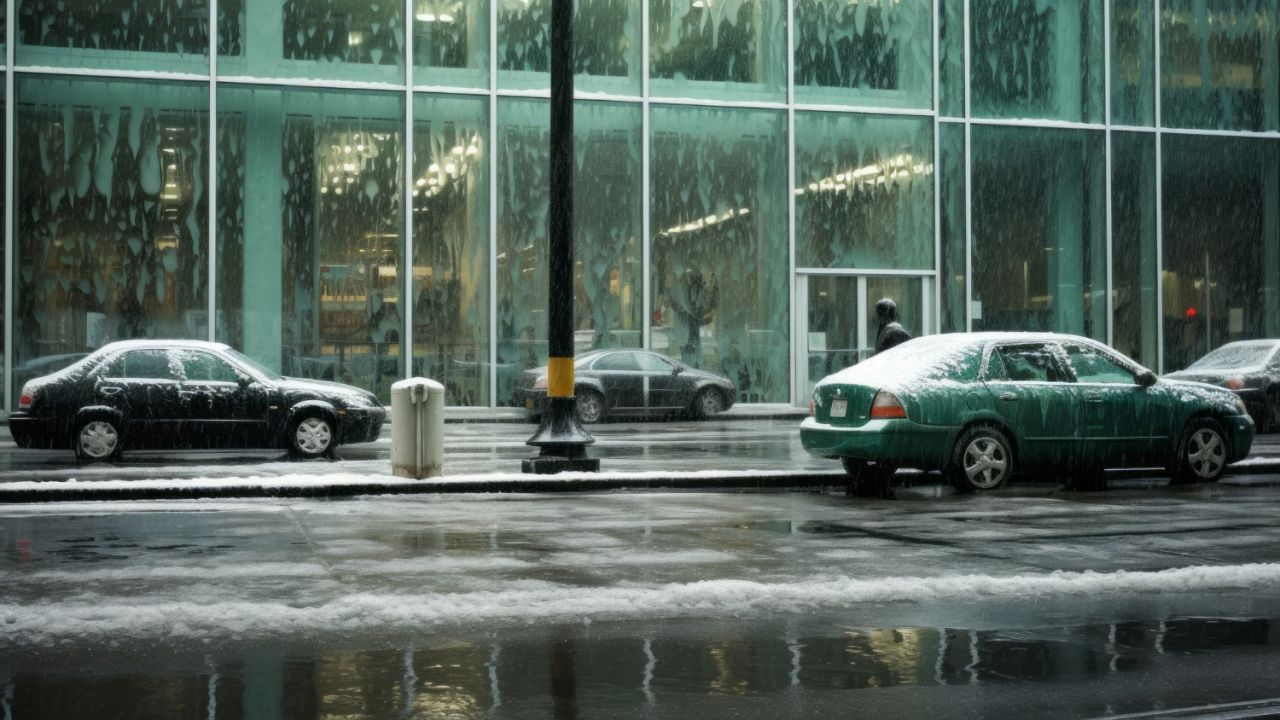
540, 382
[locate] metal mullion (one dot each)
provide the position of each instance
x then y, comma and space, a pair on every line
868, 272
746, 104
493, 203
1254, 134
9, 235
968, 180
791, 202
646, 293
1159, 194
1106, 104
211, 187
311, 83
861, 109
1056, 124
937, 180
120, 74
406, 192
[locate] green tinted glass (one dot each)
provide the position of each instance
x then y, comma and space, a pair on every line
719, 244
1135, 267
864, 191
451, 43
952, 221
1132, 62
951, 48
718, 49
1037, 59
606, 45
156, 35
875, 54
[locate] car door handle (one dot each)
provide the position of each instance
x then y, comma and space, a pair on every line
1009, 397
109, 389
1093, 398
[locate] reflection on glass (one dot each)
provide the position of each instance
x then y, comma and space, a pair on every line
170, 35
864, 191
451, 245
1039, 230
1037, 59
1221, 244
111, 241
451, 42
907, 293
719, 49
309, 228
951, 49
952, 222
607, 231
864, 53
606, 45
1132, 63
1133, 246
331, 39
719, 229
1218, 63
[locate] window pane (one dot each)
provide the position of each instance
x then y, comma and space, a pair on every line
719, 228
309, 231
330, 39
1218, 63
203, 367
952, 221
1221, 244
1025, 363
451, 245
1133, 246
607, 228
1037, 59
1039, 230
1132, 62
114, 34
617, 362
721, 49
606, 45
1092, 366
951, 48
878, 54
149, 365
111, 240
451, 43
864, 191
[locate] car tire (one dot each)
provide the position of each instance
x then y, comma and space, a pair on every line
98, 439
709, 402
1202, 453
311, 435
982, 460
1271, 413
868, 479
590, 407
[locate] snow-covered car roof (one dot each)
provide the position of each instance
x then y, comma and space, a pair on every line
160, 343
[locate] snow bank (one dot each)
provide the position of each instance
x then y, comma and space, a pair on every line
164, 618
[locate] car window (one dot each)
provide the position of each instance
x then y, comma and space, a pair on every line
1024, 363
1092, 365
654, 363
617, 361
203, 366
143, 365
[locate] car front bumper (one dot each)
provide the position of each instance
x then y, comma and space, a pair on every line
897, 442
362, 425
1240, 428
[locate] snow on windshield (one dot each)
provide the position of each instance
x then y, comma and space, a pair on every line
1235, 355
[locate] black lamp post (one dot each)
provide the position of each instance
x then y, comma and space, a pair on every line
560, 439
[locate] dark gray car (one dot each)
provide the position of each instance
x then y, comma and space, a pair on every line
1251, 369
632, 383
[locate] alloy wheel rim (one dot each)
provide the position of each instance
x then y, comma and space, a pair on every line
1206, 453
99, 439
710, 403
313, 435
589, 408
985, 463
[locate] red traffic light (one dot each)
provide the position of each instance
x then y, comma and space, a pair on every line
1191, 312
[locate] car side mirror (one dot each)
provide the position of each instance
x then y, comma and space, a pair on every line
676, 370
1146, 378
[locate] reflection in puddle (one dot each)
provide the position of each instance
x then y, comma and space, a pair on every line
574, 671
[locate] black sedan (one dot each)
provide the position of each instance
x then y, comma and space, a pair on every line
632, 382
165, 394
1251, 368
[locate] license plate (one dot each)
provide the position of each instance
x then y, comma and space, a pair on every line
839, 407
528, 404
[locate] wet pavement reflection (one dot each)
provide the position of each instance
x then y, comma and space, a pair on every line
772, 668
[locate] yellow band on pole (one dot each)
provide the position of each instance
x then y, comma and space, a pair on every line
560, 377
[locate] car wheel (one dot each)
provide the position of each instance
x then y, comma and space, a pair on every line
709, 402
590, 407
982, 459
311, 436
1201, 454
98, 439
868, 479
1271, 412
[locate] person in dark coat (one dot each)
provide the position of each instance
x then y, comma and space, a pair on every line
890, 332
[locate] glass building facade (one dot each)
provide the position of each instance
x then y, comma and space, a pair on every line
358, 191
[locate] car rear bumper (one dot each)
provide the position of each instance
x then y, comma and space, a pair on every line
897, 442
32, 432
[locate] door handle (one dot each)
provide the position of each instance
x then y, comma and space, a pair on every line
1093, 398
1009, 397
109, 389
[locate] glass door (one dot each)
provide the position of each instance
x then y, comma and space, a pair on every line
837, 325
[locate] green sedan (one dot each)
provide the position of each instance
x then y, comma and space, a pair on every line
981, 406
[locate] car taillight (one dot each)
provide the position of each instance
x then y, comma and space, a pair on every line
886, 405
25, 400
1235, 383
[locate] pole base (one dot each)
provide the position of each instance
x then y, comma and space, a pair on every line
561, 441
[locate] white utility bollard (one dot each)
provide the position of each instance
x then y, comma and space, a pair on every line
417, 428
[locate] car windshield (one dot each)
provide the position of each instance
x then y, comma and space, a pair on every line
1235, 355
253, 365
